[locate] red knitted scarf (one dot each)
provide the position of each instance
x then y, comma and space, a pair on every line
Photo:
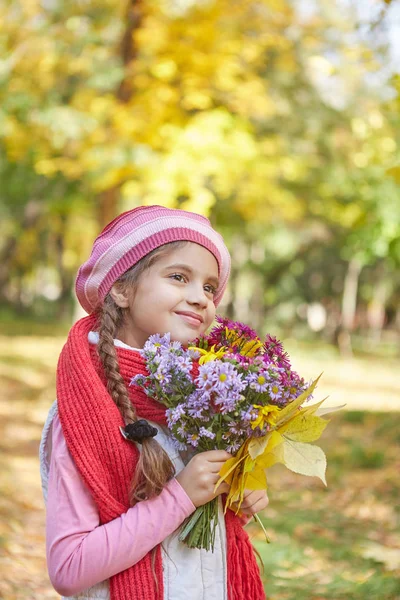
90, 422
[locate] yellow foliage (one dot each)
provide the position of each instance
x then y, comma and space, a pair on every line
285, 443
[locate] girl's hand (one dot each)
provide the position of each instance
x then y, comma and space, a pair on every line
200, 475
253, 502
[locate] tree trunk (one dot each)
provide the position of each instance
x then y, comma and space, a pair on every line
349, 306
66, 278
376, 308
107, 201
32, 213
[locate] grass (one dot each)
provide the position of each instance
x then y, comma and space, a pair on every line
334, 543
342, 541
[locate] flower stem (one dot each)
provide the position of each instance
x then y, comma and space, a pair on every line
198, 530
258, 520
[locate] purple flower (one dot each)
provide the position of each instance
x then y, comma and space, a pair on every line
155, 342
174, 414
194, 354
180, 446
258, 381
274, 391
226, 403
139, 380
274, 352
219, 377
233, 448
203, 432
247, 415
184, 363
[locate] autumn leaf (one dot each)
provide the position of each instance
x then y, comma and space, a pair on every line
258, 446
256, 479
305, 459
290, 409
328, 409
227, 471
304, 427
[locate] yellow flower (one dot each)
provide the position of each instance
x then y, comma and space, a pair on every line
246, 348
208, 355
266, 414
251, 347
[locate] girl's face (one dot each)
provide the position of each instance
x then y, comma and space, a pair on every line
174, 295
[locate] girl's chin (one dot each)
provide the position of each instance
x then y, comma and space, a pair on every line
184, 340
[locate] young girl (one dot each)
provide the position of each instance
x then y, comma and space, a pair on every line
113, 504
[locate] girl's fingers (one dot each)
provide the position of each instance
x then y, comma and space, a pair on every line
254, 501
223, 488
257, 507
217, 456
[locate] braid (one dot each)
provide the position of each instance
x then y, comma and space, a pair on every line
110, 321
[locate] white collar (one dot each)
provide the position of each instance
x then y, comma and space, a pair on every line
93, 337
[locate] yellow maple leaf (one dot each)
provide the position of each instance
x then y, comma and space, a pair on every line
303, 427
226, 472
305, 459
258, 446
256, 479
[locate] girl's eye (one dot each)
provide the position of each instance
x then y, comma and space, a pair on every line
210, 289
178, 276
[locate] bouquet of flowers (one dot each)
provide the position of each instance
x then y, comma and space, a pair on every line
231, 391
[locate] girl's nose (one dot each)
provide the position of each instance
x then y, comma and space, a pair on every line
197, 295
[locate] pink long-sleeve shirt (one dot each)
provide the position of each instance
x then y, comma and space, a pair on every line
80, 551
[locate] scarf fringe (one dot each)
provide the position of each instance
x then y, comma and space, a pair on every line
244, 580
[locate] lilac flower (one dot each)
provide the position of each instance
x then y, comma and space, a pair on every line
162, 374
247, 415
154, 342
258, 381
194, 354
180, 446
184, 363
176, 346
226, 403
274, 391
139, 380
193, 440
181, 431
233, 448
234, 427
219, 377
174, 414
203, 432
198, 404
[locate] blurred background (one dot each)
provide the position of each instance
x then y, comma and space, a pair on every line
279, 121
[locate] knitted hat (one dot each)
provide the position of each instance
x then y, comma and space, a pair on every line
134, 234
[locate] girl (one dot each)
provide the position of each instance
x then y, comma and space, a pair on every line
114, 505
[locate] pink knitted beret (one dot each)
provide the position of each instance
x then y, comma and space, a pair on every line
135, 233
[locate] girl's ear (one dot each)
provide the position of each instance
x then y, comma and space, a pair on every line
120, 297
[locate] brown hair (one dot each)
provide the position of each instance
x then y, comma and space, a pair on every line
154, 467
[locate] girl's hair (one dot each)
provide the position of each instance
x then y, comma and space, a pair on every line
154, 467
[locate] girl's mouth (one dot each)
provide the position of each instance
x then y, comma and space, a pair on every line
193, 321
